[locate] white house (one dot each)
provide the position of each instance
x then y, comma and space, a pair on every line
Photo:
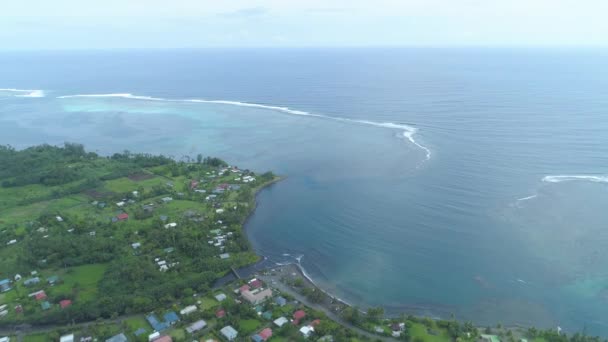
171, 225
279, 322
229, 333
188, 310
120, 204
219, 211
59, 218
307, 331
220, 297
67, 338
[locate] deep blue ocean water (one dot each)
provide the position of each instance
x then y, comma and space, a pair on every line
491, 207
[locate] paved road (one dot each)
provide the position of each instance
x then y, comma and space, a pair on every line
275, 282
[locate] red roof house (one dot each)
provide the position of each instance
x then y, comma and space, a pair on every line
220, 313
244, 288
297, 316
122, 217
266, 334
65, 303
164, 338
193, 184
256, 283
315, 322
40, 295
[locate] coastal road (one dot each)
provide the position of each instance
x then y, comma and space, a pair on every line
275, 281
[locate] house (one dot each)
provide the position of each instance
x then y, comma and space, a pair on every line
267, 315
279, 322
265, 334
297, 316
5, 285
17, 277
59, 218
136, 245
139, 332
171, 317
164, 338
280, 301
156, 324
45, 305
229, 333
52, 280
65, 303
67, 338
171, 225
12, 242
257, 296
118, 338
120, 204
220, 297
31, 281
187, 310
40, 295
5, 339
255, 283
193, 184
122, 217
307, 331
196, 326
153, 336
220, 313
167, 199
224, 255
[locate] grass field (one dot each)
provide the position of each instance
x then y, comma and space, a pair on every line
134, 323
86, 277
125, 184
208, 303
36, 338
420, 331
248, 326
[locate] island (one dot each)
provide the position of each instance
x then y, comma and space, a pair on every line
130, 247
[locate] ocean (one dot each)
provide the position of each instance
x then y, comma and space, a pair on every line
466, 182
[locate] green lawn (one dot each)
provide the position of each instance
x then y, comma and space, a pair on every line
86, 277
208, 303
248, 326
420, 330
36, 338
122, 185
137, 322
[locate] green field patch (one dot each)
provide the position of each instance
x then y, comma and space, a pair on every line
208, 303
420, 331
36, 338
33, 211
82, 279
135, 323
126, 184
249, 326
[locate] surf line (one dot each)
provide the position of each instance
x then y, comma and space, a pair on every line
408, 131
28, 92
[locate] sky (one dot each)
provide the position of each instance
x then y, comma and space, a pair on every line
101, 24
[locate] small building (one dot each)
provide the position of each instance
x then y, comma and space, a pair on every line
297, 316
196, 326
5, 339
40, 295
52, 280
220, 297
136, 245
263, 335
164, 338
118, 338
67, 338
5, 285
31, 281
122, 217
187, 310
281, 301
156, 324
224, 255
139, 332
17, 277
306, 331
279, 322
229, 333
171, 225
171, 317
267, 315
65, 303
45, 305
167, 199
221, 313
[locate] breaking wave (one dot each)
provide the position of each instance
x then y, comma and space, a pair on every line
570, 178
408, 131
24, 92
526, 198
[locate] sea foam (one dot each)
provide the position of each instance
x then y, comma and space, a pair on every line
570, 178
408, 131
24, 92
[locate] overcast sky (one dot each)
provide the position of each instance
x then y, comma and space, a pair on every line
77, 24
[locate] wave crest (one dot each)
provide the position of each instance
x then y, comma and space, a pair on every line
570, 178
408, 131
24, 92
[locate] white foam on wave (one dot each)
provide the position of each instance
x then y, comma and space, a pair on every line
527, 198
570, 178
408, 131
24, 92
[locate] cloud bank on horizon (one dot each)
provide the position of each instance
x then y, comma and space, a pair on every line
29, 24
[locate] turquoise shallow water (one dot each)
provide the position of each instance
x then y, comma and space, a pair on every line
477, 230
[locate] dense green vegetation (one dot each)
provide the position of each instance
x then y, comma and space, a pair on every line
59, 216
